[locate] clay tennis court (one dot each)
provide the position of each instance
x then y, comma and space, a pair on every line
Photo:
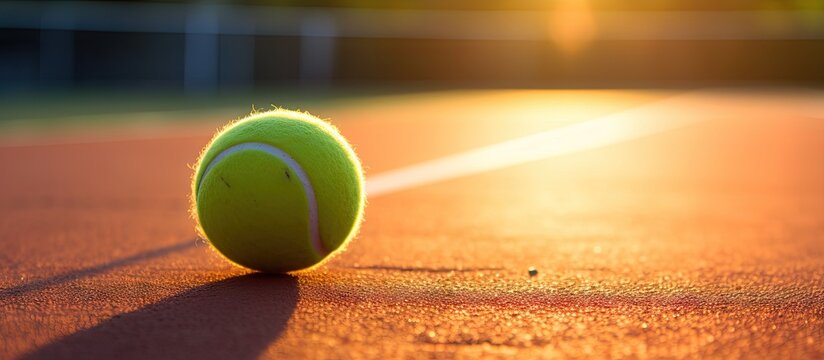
659, 224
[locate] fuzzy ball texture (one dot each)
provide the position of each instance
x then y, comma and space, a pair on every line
278, 191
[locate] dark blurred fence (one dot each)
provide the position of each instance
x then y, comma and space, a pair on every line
206, 47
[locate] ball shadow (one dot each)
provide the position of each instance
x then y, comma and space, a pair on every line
236, 318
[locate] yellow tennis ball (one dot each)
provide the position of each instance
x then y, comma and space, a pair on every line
278, 191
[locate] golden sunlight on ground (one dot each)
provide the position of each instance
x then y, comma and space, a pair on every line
696, 241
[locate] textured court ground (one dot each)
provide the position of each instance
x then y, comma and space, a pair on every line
703, 241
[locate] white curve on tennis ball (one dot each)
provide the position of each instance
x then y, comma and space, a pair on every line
314, 232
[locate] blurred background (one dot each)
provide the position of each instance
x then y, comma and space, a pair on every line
208, 47
73, 60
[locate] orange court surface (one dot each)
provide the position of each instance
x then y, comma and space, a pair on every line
658, 224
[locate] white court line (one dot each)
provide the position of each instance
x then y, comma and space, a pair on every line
660, 116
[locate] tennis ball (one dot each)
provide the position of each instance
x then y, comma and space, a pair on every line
278, 191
